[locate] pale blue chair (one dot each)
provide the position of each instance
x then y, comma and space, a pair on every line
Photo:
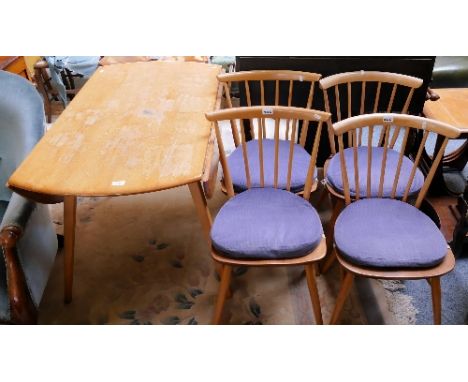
27, 237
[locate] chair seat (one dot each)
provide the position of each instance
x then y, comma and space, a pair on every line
335, 180
301, 161
266, 223
388, 233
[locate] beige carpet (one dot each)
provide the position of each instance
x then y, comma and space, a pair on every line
143, 260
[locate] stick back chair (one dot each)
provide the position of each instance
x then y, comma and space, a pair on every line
266, 225
269, 88
375, 92
387, 237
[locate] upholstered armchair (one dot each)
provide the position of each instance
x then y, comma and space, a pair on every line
27, 237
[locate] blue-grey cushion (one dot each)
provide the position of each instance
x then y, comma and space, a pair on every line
266, 223
388, 233
335, 180
301, 161
21, 124
4, 304
3, 207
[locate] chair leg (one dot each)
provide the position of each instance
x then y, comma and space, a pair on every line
323, 196
314, 296
328, 262
436, 299
222, 293
342, 295
329, 235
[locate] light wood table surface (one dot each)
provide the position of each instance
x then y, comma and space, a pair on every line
133, 128
451, 108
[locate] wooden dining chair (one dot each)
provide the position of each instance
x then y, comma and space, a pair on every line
387, 237
266, 225
273, 88
375, 92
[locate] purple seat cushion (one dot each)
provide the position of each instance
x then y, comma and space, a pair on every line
266, 223
335, 180
301, 161
388, 233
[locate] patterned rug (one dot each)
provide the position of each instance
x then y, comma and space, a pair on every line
143, 260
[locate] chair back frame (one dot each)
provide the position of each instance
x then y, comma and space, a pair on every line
249, 79
276, 113
365, 77
397, 122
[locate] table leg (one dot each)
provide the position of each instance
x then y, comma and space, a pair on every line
204, 215
69, 218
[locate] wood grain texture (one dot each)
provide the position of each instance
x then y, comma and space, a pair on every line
451, 108
369, 76
316, 255
133, 128
401, 273
21, 306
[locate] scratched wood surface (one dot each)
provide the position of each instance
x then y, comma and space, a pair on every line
133, 128
451, 108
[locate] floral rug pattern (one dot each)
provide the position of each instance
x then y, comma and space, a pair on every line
144, 260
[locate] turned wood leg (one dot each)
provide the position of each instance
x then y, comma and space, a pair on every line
222, 293
22, 308
436, 299
69, 221
342, 295
314, 296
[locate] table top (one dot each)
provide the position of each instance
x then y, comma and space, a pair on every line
132, 128
451, 108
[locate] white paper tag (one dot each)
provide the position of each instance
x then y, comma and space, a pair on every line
118, 183
267, 111
388, 118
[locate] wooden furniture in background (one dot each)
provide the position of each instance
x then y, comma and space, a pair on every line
52, 103
406, 123
452, 107
418, 66
15, 64
316, 120
133, 128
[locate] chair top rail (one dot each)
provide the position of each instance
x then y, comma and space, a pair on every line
269, 75
274, 112
396, 119
370, 76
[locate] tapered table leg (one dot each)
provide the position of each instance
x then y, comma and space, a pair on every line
204, 215
69, 218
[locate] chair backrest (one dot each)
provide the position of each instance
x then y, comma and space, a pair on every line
376, 92
21, 124
269, 87
390, 125
236, 117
